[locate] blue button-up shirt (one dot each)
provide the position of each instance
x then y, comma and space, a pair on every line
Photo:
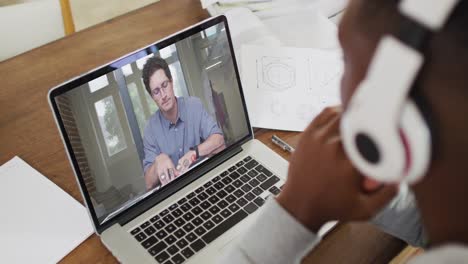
193, 126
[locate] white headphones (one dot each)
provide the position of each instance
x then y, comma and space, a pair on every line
383, 131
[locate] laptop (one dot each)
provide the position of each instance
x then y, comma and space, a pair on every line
114, 130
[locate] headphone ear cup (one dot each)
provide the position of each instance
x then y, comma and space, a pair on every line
416, 137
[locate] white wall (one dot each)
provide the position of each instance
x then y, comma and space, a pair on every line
28, 25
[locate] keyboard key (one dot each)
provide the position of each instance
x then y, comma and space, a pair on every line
246, 188
163, 213
270, 182
249, 196
281, 187
261, 177
191, 195
251, 164
252, 173
159, 224
191, 237
274, 190
135, 231
246, 159
237, 183
244, 178
208, 224
230, 199
161, 234
181, 201
194, 201
225, 213
240, 163
150, 230
145, 224
188, 227
155, 218
259, 201
170, 228
223, 227
200, 189
229, 189
208, 184
241, 170
200, 231
140, 236
224, 174
234, 175
226, 180
197, 221
210, 191
214, 209
213, 199
241, 202
170, 239
222, 204
217, 219
202, 196
173, 249
173, 206
168, 219
177, 259
233, 168
162, 257
185, 207
263, 170
219, 185
157, 248
182, 243
188, 216
179, 233
254, 182
196, 210
250, 208
179, 222
177, 212
239, 193
205, 205
197, 245
233, 207
221, 194
215, 179
205, 215
187, 252
169, 262
257, 191
149, 242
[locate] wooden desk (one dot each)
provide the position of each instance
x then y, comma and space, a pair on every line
27, 128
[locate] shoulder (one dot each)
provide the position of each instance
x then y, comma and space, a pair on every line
152, 122
193, 102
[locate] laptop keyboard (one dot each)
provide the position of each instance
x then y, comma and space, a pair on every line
187, 226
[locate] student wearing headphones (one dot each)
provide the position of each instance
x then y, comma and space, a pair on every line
403, 120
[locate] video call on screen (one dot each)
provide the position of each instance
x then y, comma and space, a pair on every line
106, 119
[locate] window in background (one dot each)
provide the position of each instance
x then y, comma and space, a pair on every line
110, 125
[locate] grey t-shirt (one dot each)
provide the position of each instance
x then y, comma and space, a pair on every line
193, 126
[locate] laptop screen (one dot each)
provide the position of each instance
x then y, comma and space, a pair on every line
137, 125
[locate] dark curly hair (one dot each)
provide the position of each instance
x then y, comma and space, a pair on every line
151, 66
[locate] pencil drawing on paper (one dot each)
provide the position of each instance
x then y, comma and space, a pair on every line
320, 73
276, 74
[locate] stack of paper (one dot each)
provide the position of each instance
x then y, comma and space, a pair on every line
40, 222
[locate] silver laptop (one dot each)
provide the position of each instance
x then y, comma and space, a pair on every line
163, 151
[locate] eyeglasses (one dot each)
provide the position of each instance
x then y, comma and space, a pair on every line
157, 91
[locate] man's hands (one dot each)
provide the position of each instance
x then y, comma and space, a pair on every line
322, 184
185, 161
165, 170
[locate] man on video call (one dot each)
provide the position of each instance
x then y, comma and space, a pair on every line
179, 133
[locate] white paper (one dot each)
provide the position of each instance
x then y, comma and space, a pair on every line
285, 88
40, 222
